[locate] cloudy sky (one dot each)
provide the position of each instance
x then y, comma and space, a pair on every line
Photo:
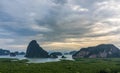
59, 24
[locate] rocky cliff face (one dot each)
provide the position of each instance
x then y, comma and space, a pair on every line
100, 51
35, 51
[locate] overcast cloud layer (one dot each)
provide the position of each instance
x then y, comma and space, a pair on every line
59, 24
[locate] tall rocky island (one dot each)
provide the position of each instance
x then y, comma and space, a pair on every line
35, 51
100, 51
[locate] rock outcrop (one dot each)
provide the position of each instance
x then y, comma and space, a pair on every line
4, 52
55, 54
35, 51
12, 54
63, 56
100, 51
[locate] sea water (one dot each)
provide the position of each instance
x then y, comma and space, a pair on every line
40, 60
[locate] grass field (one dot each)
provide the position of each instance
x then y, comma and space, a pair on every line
78, 66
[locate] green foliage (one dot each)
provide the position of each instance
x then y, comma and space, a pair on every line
63, 66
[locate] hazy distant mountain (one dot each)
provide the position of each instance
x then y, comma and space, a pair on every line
56, 53
72, 52
19, 53
4, 52
35, 51
100, 51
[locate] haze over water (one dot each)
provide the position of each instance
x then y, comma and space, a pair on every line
39, 60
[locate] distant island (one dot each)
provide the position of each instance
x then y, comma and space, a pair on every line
55, 54
4, 52
100, 51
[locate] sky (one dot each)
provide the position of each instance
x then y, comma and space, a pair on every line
59, 24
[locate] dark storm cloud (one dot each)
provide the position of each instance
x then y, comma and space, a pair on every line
57, 20
5, 17
62, 2
64, 22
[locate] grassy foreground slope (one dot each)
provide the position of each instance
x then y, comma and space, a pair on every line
78, 66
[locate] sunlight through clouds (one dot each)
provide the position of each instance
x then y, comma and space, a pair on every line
59, 24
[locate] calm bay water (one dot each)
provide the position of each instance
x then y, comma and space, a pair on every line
40, 60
